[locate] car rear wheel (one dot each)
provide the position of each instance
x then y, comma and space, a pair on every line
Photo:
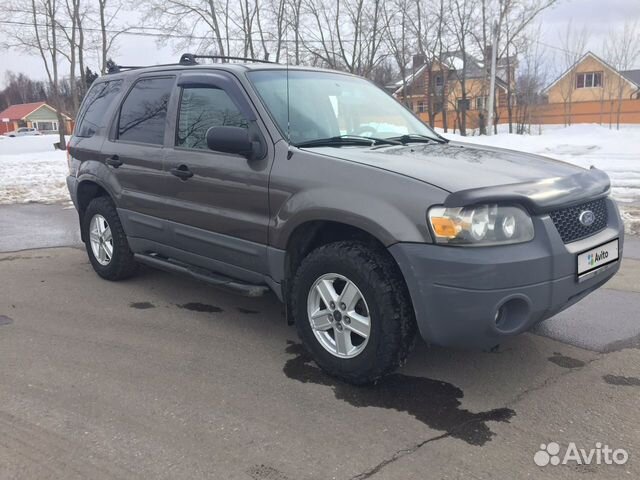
106, 242
353, 312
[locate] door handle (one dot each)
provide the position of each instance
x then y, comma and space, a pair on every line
182, 172
114, 161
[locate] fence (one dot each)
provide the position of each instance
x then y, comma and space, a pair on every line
604, 112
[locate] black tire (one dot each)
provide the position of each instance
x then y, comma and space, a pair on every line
122, 264
392, 318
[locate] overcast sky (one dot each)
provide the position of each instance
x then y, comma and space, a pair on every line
598, 16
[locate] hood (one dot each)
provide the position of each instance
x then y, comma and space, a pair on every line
474, 173
456, 166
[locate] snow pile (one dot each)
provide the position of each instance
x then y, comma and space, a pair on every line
617, 152
32, 171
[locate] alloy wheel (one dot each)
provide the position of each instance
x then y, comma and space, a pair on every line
339, 315
101, 239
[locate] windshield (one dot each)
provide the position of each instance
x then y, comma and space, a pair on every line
326, 105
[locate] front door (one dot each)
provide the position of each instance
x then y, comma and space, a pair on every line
219, 206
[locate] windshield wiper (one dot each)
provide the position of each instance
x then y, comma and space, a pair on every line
417, 138
344, 140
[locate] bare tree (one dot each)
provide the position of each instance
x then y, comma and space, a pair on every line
398, 38
573, 47
428, 22
461, 26
73, 31
622, 51
346, 35
517, 17
191, 18
109, 12
37, 31
19, 88
529, 82
295, 25
513, 19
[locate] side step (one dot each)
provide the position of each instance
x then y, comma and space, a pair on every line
246, 289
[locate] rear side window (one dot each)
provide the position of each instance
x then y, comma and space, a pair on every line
144, 111
93, 113
202, 108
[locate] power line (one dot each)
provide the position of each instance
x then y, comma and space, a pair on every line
548, 45
138, 33
159, 35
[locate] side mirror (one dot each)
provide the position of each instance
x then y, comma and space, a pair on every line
230, 140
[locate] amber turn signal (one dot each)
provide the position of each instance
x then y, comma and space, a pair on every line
444, 227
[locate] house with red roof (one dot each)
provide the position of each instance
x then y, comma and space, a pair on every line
37, 115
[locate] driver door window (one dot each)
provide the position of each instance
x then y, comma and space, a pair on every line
201, 109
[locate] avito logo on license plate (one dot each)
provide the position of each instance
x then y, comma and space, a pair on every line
597, 257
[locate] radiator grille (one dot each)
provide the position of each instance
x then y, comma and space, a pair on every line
567, 220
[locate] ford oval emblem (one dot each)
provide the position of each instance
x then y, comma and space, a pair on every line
587, 217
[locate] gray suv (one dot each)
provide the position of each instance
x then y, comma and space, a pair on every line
320, 187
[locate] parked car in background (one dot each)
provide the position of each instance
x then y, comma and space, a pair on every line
367, 224
23, 132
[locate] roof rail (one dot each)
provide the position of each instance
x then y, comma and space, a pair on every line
191, 59
185, 59
113, 67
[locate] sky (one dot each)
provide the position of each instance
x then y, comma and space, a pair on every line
597, 16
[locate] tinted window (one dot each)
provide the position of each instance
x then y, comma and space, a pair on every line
92, 116
144, 111
201, 109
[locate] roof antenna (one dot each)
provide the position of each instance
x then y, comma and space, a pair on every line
288, 102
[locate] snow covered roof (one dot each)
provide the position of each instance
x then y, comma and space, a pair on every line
408, 79
455, 62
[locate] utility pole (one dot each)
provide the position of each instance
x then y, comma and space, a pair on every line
492, 80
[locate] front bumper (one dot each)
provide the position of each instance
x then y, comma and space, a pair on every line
458, 292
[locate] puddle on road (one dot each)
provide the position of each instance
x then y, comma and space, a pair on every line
565, 362
4, 320
248, 311
432, 402
200, 307
266, 472
21, 257
622, 381
142, 305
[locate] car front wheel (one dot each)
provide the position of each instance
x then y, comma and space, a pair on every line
353, 312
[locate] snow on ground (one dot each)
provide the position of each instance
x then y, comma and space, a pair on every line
32, 171
617, 152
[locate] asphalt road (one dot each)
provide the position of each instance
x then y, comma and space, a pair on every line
164, 377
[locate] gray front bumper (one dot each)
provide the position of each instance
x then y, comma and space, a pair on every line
457, 291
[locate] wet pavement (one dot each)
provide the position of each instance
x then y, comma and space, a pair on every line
164, 377
35, 225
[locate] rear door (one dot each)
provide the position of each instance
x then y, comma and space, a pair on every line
134, 153
221, 211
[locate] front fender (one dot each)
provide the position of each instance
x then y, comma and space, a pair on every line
305, 186
379, 218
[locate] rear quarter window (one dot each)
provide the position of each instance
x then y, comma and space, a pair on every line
144, 112
92, 115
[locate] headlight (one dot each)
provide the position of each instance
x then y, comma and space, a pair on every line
480, 225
